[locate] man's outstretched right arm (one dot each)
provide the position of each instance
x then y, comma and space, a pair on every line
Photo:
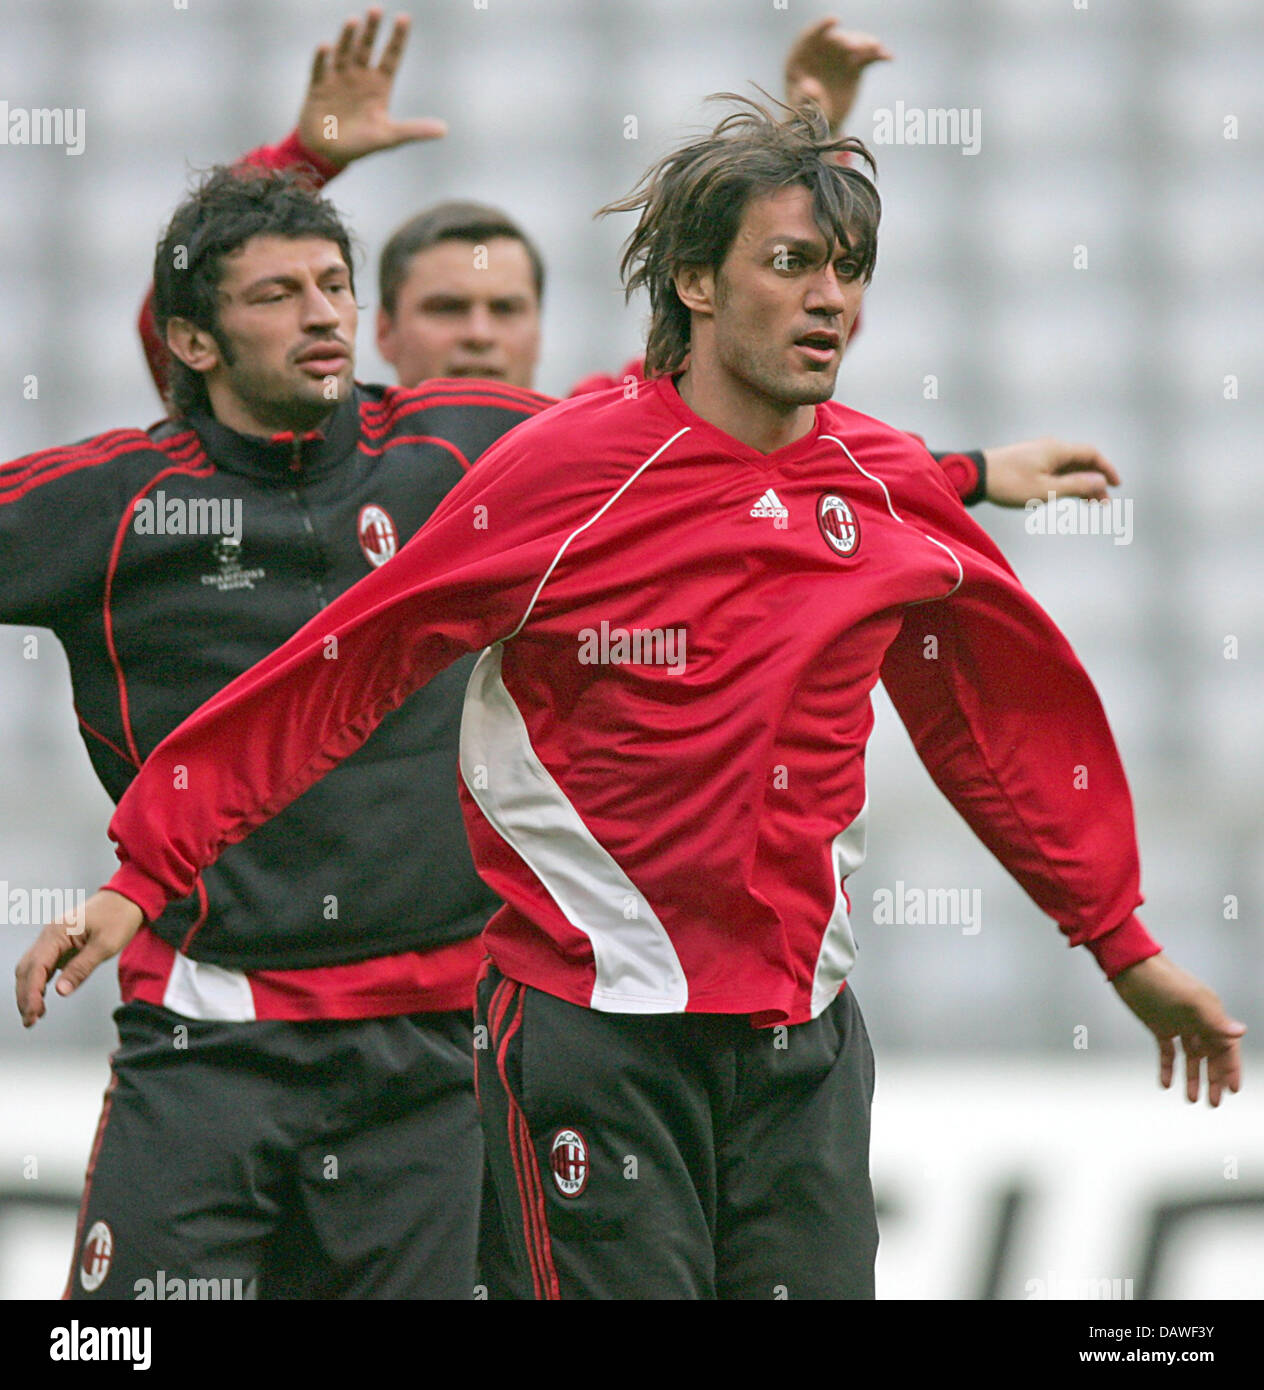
60, 512
465, 581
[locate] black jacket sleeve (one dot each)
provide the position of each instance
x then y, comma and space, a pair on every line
60, 510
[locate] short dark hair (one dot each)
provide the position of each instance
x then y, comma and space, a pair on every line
691, 204
450, 221
228, 207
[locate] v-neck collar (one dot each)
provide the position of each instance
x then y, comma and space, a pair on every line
714, 438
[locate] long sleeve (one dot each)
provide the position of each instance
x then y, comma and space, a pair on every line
1012, 731
59, 510
462, 583
966, 471
291, 153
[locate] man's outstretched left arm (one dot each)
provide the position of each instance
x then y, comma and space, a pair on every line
1012, 731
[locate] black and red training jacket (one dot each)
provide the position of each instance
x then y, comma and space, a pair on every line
170, 560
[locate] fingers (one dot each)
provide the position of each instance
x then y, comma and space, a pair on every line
1192, 1044
1224, 1071
346, 44
32, 979
77, 969
824, 40
75, 945
1167, 1061
1224, 1060
1089, 486
394, 49
861, 49
320, 65
421, 128
1076, 458
820, 28
1223, 1055
368, 37
356, 42
55, 945
1105, 467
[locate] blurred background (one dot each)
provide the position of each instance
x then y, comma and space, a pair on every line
1093, 271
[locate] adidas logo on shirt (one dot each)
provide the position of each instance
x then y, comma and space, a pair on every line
770, 505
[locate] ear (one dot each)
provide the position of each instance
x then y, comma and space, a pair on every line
386, 335
695, 288
194, 346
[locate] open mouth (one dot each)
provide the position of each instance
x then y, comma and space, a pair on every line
820, 346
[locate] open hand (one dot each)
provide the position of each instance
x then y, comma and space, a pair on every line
1030, 471
825, 65
346, 111
1173, 1004
75, 944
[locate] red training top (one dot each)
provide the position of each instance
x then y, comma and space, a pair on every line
663, 746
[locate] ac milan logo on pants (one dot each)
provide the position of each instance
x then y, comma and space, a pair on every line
838, 524
568, 1158
97, 1250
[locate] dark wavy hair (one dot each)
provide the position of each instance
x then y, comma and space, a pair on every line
691, 204
228, 207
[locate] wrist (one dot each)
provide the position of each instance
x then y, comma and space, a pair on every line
295, 151
978, 493
139, 889
799, 95
1122, 947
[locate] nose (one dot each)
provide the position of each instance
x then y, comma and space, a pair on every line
479, 328
826, 293
319, 311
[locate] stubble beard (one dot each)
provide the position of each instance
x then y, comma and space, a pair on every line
779, 385
283, 407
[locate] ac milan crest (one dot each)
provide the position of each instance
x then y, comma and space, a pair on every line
98, 1249
377, 534
568, 1158
839, 524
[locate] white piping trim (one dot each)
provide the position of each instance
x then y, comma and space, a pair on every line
614, 497
961, 574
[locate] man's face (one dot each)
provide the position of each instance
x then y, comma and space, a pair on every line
288, 316
782, 304
462, 313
